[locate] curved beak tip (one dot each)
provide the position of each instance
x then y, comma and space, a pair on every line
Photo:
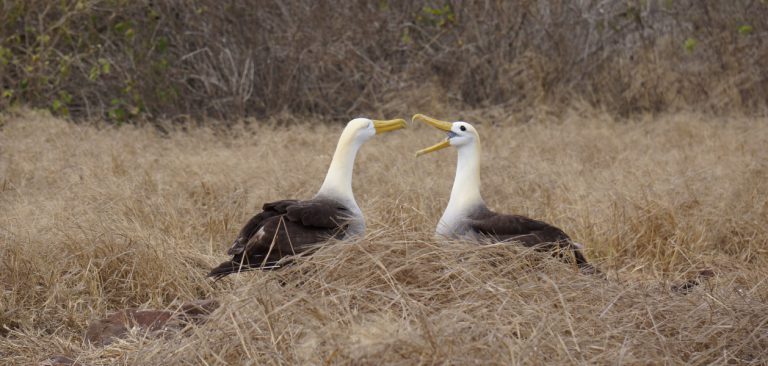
436, 123
389, 125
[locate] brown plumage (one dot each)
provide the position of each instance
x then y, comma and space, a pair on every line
284, 228
529, 232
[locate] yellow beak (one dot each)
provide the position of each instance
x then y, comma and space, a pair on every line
441, 125
436, 123
435, 147
389, 125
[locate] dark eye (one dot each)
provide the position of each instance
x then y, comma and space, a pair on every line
463, 128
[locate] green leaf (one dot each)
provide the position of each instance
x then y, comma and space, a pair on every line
119, 114
105, 66
43, 38
94, 73
66, 97
5, 56
121, 27
437, 16
689, 45
745, 29
162, 44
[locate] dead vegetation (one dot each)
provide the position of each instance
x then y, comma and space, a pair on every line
129, 60
96, 219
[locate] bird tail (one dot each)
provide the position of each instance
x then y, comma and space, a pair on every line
581, 260
235, 266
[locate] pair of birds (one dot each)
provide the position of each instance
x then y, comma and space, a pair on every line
289, 227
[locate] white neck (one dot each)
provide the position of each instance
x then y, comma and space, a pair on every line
465, 194
338, 180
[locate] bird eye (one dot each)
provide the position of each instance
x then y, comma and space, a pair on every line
463, 128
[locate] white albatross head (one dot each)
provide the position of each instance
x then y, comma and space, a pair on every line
338, 180
460, 134
360, 130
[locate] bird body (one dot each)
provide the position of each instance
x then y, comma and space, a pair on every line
290, 227
467, 217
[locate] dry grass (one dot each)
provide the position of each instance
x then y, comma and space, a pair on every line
96, 218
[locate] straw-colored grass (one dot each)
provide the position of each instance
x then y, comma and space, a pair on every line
94, 219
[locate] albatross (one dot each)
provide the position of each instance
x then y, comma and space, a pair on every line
468, 218
289, 227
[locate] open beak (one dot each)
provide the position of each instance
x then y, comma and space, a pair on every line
440, 125
390, 125
435, 147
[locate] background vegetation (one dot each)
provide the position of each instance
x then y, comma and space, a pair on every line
123, 60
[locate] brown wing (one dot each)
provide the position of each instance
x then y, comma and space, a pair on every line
284, 228
269, 210
318, 213
529, 232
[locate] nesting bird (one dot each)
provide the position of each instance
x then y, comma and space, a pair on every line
291, 227
467, 217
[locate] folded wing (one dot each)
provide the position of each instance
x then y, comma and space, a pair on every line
529, 232
284, 228
525, 230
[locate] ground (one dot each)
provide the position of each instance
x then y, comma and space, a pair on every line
98, 218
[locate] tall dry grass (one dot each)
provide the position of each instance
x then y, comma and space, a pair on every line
96, 218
